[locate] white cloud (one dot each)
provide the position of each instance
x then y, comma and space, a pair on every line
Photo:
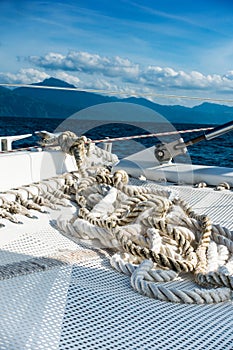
31, 75
88, 63
124, 70
228, 75
122, 77
24, 76
169, 78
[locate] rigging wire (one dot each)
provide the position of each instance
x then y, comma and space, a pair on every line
107, 140
125, 138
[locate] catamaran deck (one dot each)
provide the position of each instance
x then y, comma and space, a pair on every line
86, 304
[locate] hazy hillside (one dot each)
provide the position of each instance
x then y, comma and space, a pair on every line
35, 102
76, 100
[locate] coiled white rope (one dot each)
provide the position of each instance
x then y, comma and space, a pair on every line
157, 237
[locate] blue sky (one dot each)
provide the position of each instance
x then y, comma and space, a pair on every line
128, 46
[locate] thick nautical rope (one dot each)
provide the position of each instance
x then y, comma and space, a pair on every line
148, 224
157, 236
64, 186
52, 193
80, 148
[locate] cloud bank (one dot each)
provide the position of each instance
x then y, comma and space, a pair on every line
87, 63
93, 71
128, 71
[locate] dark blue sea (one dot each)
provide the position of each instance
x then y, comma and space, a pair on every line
216, 152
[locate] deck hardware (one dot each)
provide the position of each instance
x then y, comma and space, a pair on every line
165, 152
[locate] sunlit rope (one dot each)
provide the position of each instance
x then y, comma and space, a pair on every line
145, 94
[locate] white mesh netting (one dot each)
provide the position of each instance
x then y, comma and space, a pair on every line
89, 305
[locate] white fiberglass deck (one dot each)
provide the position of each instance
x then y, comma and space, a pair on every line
89, 305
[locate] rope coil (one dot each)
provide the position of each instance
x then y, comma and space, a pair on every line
156, 236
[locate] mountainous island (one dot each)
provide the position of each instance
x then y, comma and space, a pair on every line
49, 103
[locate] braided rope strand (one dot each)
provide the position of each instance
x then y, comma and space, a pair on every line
156, 236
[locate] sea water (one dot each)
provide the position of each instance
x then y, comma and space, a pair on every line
216, 152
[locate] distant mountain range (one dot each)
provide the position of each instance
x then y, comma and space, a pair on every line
48, 103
